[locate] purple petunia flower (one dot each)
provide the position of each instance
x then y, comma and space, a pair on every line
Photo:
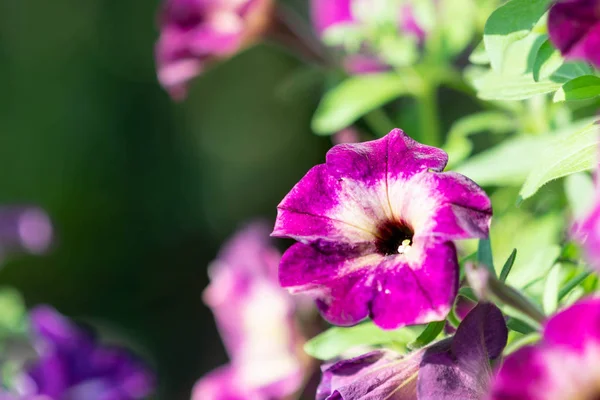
326, 14
24, 229
375, 225
256, 321
574, 28
563, 365
73, 365
457, 368
197, 32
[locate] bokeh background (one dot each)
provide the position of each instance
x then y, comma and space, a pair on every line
141, 190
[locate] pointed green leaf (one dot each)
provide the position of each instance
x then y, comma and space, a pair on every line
508, 265
430, 333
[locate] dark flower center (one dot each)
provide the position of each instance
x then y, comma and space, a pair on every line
394, 238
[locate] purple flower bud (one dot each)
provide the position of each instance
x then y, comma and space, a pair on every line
574, 28
73, 365
24, 229
195, 33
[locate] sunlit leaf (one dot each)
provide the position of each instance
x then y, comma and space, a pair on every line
510, 23
581, 88
355, 97
569, 153
335, 341
547, 61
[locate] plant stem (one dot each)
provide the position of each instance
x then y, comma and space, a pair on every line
379, 122
429, 115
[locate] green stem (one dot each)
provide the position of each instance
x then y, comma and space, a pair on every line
379, 122
429, 115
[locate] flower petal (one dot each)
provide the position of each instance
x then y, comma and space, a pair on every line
323, 207
463, 372
444, 205
347, 198
520, 377
574, 28
589, 234
377, 375
418, 288
575, 327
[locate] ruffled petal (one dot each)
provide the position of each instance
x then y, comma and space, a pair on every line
576, 327
417, 288
445, 205
348, 198
321, 207
463, 372
377, 375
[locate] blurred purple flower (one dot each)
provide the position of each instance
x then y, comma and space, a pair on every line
457, 368
196, 32
563, 365
73, 365
376, 225
327, 14
24, 228
574, 28
256, 320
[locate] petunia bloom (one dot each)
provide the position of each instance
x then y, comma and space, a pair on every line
574, 28
73, 365
563, 365
256, 320
456, 368
24, 228
375, 226
195, 33
328, 14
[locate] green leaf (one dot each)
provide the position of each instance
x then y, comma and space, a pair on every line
456, 37
550, 296
509, 163
495, 86
520, 326
571, 152
335, 341
484, 254
355, 97
547, 61
580, 192
581, 88
459, 147
479, 56
572, 284
508, 265
510, 23
430, 333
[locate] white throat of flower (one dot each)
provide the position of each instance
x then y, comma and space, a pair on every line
404, 247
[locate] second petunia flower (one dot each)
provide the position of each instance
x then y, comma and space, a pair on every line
375, 226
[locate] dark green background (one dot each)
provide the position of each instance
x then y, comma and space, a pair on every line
142, 191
